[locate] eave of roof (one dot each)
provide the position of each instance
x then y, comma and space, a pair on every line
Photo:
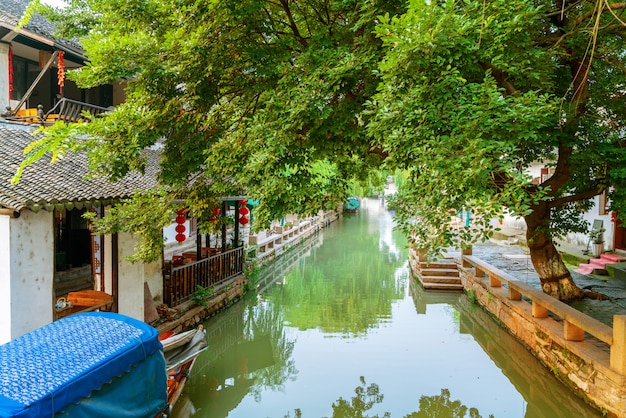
48, 186
38, 29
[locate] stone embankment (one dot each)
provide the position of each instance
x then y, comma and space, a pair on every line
584, 353
264, 247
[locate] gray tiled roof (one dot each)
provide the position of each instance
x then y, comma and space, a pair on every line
48, 184
12, 10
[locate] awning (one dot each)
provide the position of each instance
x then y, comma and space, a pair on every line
45, 371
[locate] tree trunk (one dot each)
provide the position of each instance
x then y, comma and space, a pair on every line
556, 279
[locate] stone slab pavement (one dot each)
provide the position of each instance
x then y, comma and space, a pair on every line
515, 260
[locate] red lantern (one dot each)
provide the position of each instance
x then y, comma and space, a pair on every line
243, 202
216, 212
244, 211
244, 220
180, 228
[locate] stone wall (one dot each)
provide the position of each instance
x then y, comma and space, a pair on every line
583, 365
192, 314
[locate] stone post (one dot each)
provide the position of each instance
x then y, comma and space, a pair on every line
422, 255
464, 252
618, 349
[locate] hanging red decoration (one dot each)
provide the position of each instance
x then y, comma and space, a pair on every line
180, 228
61, 72
216, 212
244, 220
244, 211
243, 202
10, 71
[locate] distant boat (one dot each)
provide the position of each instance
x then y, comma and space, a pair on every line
96, 364
352, 204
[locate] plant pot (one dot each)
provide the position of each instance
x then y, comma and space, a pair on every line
597, 249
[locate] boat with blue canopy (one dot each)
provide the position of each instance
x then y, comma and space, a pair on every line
352, 204
95, 364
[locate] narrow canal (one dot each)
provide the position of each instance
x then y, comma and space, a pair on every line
338, 329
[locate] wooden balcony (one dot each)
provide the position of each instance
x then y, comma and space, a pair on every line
66, 110
69, 110
180, 281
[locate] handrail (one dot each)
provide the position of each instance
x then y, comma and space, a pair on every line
575, 323
181, 281
71, 110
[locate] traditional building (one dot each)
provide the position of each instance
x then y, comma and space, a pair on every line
47, 248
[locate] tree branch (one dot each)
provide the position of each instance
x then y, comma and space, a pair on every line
501, 78
563, 10
292, 23
378, 150
588, 15
562, 173
580, 84
587, 194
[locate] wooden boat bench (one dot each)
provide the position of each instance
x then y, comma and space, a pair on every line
85, 301
90, 300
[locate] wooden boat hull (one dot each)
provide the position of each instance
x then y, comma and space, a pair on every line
181, 351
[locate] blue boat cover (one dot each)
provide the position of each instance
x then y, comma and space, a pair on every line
352, 203
44, 371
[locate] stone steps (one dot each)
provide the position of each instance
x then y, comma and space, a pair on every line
430, 271
438, 275
599, 265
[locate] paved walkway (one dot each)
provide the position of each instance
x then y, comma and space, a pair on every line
514, 259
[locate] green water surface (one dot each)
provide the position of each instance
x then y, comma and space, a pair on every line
338, 329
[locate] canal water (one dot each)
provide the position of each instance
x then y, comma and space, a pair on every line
336, 328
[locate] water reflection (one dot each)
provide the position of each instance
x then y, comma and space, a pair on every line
366, 396
340, 309
250, 351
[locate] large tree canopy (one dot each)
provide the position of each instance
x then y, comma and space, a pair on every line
286, 100
475, 92
261, 98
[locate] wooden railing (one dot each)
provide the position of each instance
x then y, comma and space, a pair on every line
181, 281
574, 323
69, 110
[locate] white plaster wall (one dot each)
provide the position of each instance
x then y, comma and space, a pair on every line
5, 281
580, 239
590, 216
154, 277
132, 277
30, 273
4, 77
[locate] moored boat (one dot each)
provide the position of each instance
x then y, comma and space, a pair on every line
95, 364
181, 351
352, 204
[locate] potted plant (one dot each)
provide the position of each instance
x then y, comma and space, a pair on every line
597, 242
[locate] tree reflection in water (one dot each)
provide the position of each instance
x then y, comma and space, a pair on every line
366, 396
441, 406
